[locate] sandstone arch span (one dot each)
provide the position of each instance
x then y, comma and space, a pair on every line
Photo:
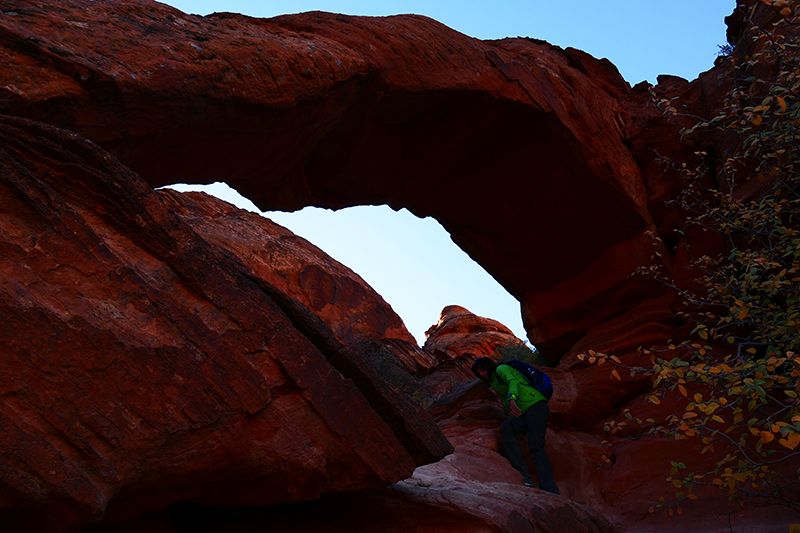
532, 157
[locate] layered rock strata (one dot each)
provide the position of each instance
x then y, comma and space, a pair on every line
140, 358
540, 162
146, 349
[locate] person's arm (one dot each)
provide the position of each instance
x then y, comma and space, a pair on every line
512, 406
511, 378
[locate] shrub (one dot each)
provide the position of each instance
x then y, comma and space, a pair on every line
741, 384
521, 352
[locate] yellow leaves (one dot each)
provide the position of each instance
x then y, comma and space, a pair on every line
616, 375
791, 441
794, 528
739, 477
654, 399
786, 11
766, 286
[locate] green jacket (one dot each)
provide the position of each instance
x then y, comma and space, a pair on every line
508, 383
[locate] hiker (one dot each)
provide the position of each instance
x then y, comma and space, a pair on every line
529, 412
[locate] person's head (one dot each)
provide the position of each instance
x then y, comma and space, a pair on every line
484, 367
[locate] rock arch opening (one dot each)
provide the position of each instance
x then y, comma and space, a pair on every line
411, 262
530, 156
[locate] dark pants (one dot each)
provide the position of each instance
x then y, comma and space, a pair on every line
534, 423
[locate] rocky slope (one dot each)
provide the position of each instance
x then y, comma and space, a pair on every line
139, 358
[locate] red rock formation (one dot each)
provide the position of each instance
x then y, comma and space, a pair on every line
294, 266
472, 490
459, 331
587, 397
142, 364
457, 339
327, 110
433, 501
312, 109
470, 417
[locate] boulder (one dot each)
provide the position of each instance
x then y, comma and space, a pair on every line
294, 266
143, 364
457, 340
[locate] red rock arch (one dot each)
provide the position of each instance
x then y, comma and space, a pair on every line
531, 156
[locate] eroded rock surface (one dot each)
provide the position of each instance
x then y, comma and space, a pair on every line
140, 358
294, 266
531, 156
457, 339
142, 352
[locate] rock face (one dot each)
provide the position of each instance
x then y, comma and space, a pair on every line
470, 417
139, 358
459, 331
457, 339
160, 347
333, 111
294, 266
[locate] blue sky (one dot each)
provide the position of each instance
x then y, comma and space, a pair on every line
411, 262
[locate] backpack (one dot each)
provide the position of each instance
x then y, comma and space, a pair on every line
537, 379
